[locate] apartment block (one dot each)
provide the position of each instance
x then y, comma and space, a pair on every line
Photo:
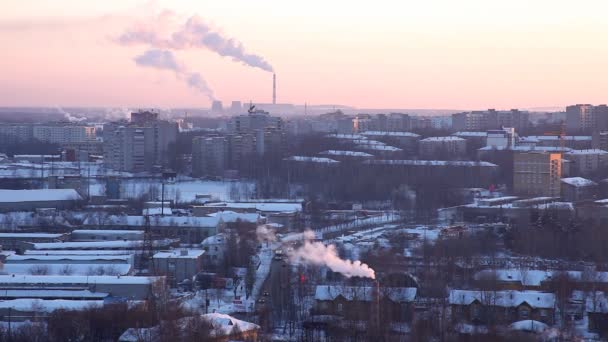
537, 174
209, 156
442, 147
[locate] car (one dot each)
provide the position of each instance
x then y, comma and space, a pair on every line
262, 301
266, 294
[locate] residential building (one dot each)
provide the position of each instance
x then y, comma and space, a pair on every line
537, 174
209, 156
501, 307
178, 265
490, 119
576, 189
502, 138
63, 133
586, 162
16, 133
599, 140
579, 118
442, 147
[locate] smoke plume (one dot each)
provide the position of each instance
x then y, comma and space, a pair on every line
164, 59
316, 253
193, 33
68, 116
265, 233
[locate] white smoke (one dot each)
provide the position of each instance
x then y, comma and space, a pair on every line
117, 113
316, 253
164, 59
266, 233
193, 33
68, 116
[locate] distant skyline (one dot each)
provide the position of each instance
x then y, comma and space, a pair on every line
441, 54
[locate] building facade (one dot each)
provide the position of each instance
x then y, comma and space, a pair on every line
537, 174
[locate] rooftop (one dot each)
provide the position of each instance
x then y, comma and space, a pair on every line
38, 195
179, 254
578, 181
508, 299
391, 134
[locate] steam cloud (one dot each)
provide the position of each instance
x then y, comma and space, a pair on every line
194, 33
265, 233
316, 253
68, 116
164, 59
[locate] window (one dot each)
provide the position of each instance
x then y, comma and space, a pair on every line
340, 308
524, 313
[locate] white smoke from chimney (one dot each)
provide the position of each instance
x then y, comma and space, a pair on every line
316, 253
265, 233
193, 33
163, 59
68, 116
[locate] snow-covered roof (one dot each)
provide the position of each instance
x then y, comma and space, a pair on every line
69, 279
378, 147
97, 244
223, 324
529, 325
110, 232
30, 236
578, 181
157, 211
536, 277
556, 137
509, 299
52, 293
346, 136
345, 153
431, 163
38, 195
231, 216
74, 269
217, 239
526, 148
19, 258
260, 206
157, 221
471, 134
312, 159
364, 293
448, 138
588, 151
39, 305
179, 254
391, 134
77, 252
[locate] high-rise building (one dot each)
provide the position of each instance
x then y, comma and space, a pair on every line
63, 133
490, 119
579, 118
139, 145
209, 156
16, 133
537, 174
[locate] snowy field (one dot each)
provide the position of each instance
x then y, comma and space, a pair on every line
185, 191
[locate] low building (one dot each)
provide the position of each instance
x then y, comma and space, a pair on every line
442, 147
106, 235
28, 200
356, 303
214, 247
586, 162
575, 189
501, 307
11, 241
178, 265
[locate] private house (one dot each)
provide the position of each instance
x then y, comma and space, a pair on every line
501, 307
356, 303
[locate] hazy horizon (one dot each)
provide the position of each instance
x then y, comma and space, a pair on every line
390, 54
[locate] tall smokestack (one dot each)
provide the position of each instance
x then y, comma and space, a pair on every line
274, 89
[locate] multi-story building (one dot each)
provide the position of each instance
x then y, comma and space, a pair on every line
16, 133
502, 138
599, 140
397, 122
139, 145
240, 148
63, 133
586, 162
434, 147
586, 118
209, 156
537, 174
490, 119
254, 120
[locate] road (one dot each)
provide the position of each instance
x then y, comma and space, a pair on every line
274, 297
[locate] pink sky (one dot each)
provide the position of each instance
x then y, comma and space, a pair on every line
383, 54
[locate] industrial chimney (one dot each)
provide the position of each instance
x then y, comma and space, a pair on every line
274, 89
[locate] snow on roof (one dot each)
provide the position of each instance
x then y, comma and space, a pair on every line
346, 136
509, 299
448, 138
392, 134
30, 236
364, 293
471, 134
107, 232
76, 252
223, 324
378, 147
97, 244
529, 325
157, 211
157, 221
431, 163
588, 151
526, 148
231, 216
536, 277
217, 239
52, 293
17, 258
179, 254
312, 159
578, 181
38, 195
74, 269
556, 137
70, 279
260, 206
345, 153
39, 305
